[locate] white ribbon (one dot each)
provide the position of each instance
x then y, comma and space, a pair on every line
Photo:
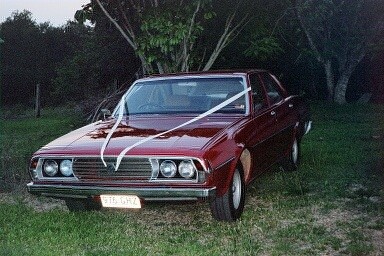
120, 117
110, 133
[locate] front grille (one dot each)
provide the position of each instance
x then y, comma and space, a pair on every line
129, 169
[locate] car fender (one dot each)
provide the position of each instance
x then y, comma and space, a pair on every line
222, 173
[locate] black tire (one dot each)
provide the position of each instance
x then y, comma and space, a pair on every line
81, 205
292, 161
229, 207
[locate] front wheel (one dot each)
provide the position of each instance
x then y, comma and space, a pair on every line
229, 207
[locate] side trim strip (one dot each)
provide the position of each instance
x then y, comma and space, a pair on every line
225, 163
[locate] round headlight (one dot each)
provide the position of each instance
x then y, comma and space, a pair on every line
66, 168
51, 167
168, 168
186, 169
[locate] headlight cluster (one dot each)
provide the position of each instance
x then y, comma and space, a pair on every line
57, 168
184, 168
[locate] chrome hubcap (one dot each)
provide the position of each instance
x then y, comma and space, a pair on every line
295, 152
236, 189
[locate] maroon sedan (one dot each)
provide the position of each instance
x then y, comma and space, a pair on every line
191, 136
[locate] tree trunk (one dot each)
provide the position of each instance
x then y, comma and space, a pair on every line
340, 91
330, 80
341, 86
146, 68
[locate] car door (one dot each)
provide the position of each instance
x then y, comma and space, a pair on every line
280, 108
260, 132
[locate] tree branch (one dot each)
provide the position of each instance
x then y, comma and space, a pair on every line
127, 37
308, 35
227, 36
127, 24
186, 50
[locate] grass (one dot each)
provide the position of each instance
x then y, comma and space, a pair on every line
333, 205
22, 134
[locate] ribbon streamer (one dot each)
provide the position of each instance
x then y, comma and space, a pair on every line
110, 133
120, 117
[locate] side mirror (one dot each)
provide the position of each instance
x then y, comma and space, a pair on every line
106, 113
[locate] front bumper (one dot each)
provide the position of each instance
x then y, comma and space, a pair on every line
146, 193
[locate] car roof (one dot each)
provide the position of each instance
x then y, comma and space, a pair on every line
207, 73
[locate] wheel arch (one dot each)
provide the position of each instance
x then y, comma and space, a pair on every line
245, 162
222, 175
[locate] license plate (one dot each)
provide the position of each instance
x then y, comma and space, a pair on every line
120, 201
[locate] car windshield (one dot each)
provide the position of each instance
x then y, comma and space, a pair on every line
185, 95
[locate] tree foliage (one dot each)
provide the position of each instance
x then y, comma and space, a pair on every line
18, 58
98, 62
340, 33
307, 43
167, 36
263, 46
164, 34
31, 53
71, 62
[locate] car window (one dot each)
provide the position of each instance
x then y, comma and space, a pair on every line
273, 93
257, 92
186, 95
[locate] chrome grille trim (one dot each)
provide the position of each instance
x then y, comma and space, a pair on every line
129, 169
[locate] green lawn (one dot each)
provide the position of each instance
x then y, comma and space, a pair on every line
334, 204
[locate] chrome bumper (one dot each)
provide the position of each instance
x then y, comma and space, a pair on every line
147, 193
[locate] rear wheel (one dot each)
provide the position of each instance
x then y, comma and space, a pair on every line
293, 160
229, 207
80, 204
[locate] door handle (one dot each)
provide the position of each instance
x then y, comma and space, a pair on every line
290, 105
273, 113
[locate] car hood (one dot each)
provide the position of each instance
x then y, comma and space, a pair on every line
90, 139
